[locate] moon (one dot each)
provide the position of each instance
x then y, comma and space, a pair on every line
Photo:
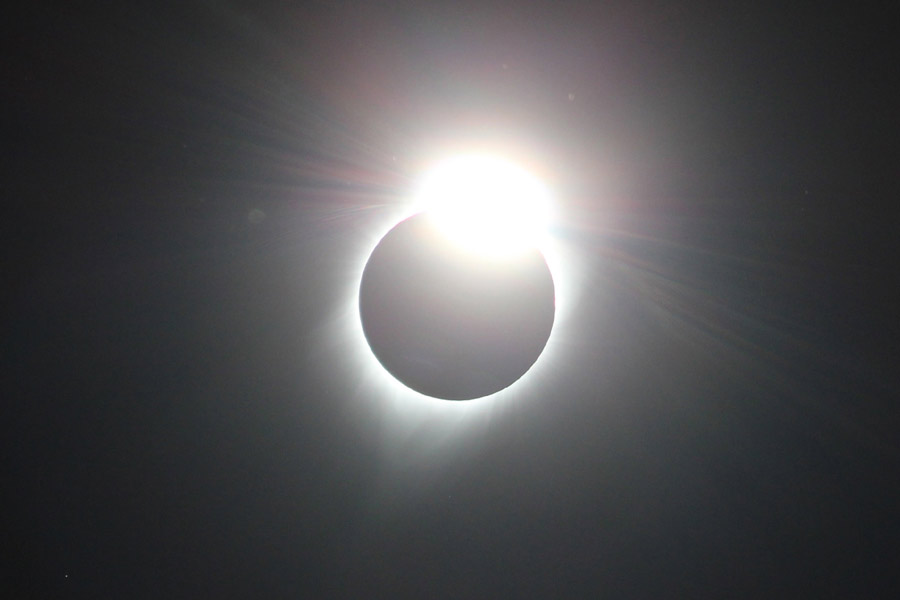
449, 322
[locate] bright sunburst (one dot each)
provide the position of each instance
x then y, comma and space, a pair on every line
485, 204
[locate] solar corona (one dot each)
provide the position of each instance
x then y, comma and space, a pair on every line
457, 301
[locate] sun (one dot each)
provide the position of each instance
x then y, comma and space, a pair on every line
486, 205
498, 225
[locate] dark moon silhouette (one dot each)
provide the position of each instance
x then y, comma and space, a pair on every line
451, 324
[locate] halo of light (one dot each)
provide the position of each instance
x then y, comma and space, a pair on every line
406, 406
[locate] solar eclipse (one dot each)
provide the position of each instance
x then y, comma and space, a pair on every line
457, 302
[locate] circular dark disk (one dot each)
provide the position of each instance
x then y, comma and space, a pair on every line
448, 323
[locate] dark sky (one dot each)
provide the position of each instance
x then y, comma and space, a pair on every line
189, 192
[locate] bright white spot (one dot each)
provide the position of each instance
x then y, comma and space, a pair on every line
486, 205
